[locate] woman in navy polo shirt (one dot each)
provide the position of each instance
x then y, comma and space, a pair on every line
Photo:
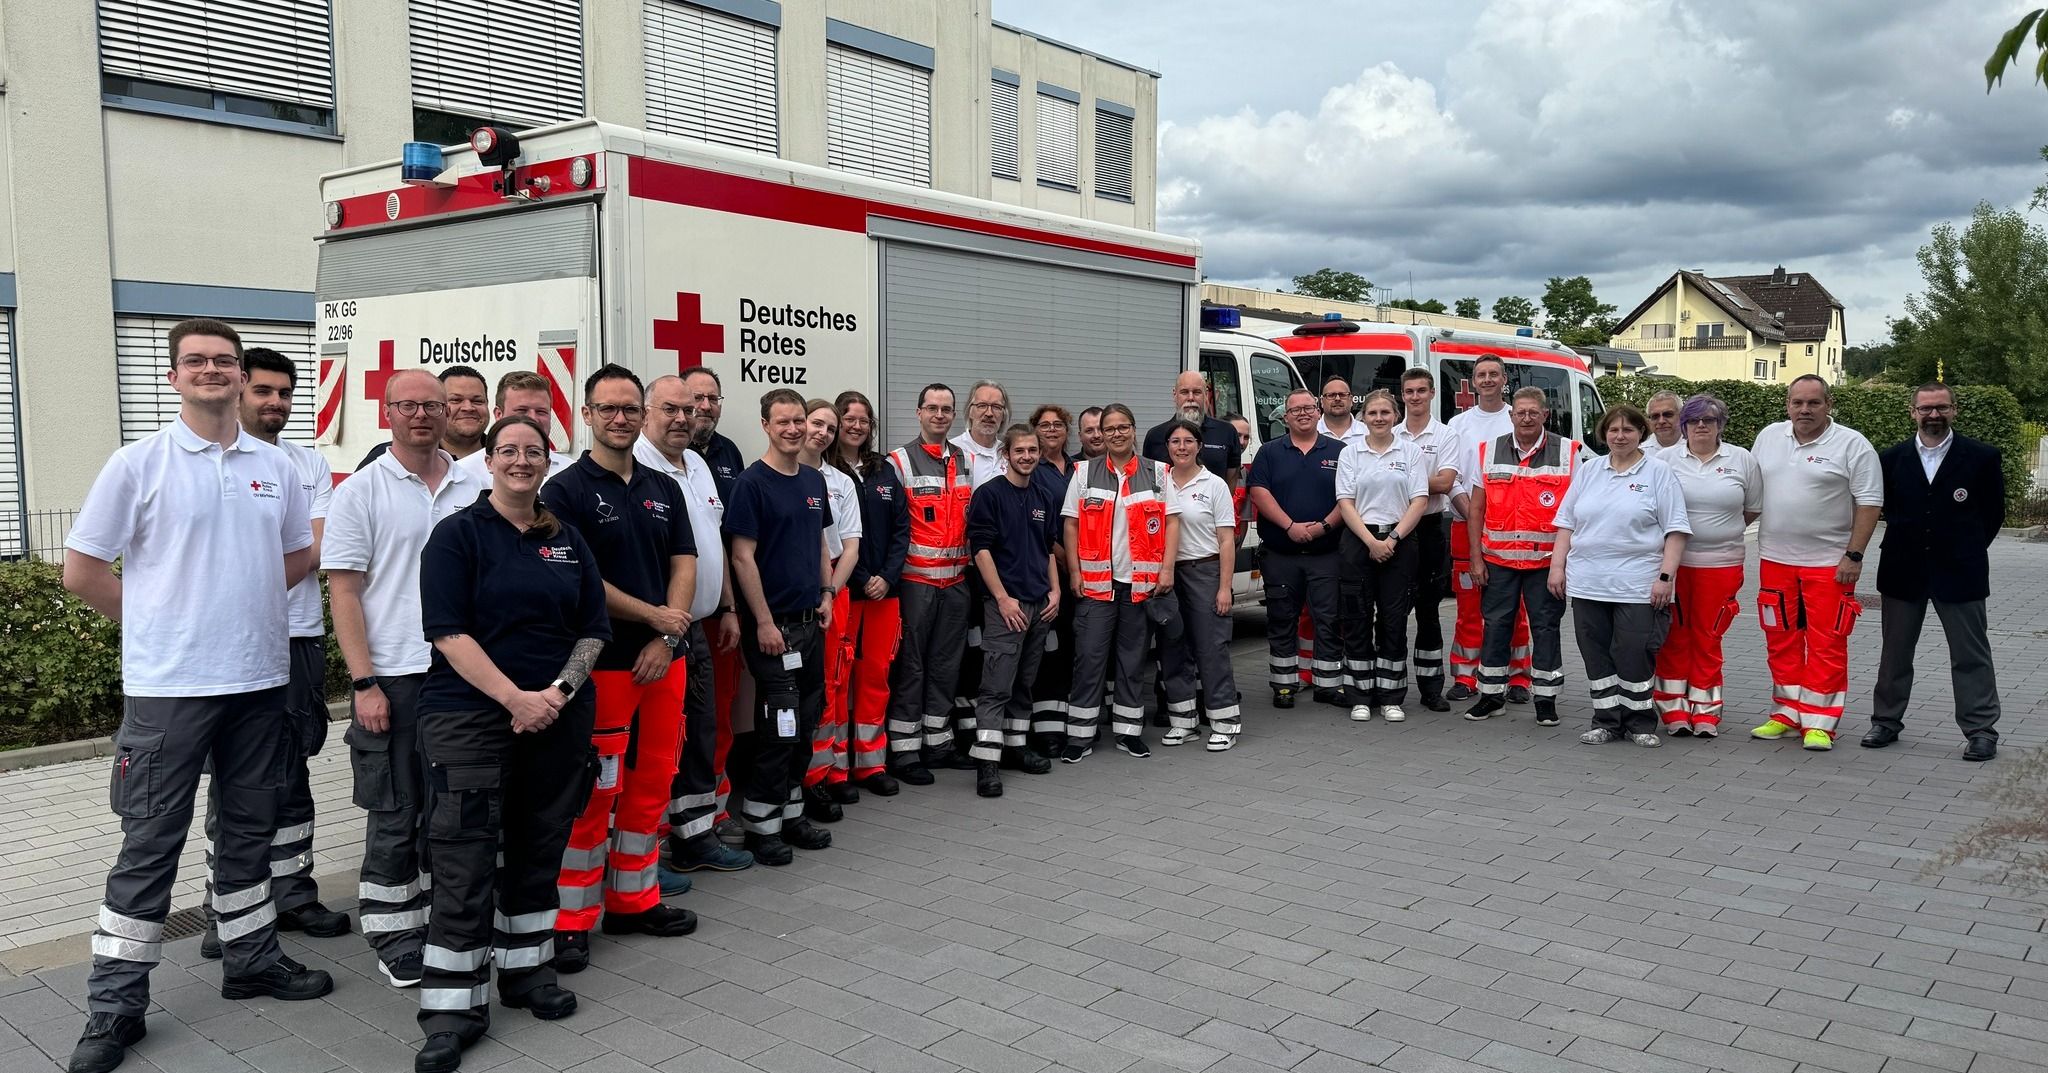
1053, 423
511, 600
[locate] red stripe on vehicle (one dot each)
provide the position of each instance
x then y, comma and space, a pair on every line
1310, 344
1547, 357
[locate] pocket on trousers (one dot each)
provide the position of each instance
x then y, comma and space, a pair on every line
1725, 617
779, 716
1774, 612
136, 790
312, 732
369, 759
1846, 614
465, 801
1660, 629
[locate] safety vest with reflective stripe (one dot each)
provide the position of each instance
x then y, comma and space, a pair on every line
1522, 497
938, 482
1137, 492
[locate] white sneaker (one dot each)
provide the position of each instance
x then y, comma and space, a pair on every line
1647, 741
1392, 713
1221, 742
1597, 736
1361, 713
1176, 736
1706, 730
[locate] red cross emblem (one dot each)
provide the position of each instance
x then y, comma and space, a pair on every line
255, 486
687, 334
547, 553
375, 379
1465, 398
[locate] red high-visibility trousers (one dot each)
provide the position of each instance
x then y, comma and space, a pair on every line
874, 627
726, 669
829, 741
629, 802
1687, 689
1807, 617
1469, 633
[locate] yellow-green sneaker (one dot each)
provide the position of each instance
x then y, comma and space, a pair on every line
1772, 730
1818, 741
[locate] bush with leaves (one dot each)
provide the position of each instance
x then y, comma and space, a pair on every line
1881, 412
60, 661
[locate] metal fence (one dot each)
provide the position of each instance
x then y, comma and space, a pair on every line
35, 534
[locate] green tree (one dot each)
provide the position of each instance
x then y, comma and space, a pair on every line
1574, 315
2007, 54
1428, 306
1983, 318
1860, 363
1335, 284
1514, 309
1468, 307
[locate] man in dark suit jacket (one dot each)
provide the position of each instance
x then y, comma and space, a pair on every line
1944, 502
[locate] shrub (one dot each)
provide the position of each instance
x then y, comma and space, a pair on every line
60, 661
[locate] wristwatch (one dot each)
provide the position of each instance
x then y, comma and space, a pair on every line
671, 640
365, 683
728, 610
1663, 577
1855, 556
562, 686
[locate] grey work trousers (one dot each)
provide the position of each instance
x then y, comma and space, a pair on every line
1506, 590
1619, 644
693, 797
1972, 678
158, 752
1009, 669
394, 885
1103, 628
1294, 581
927, 667
1199, 659
291, 848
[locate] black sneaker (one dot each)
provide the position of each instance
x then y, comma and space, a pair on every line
1518, 694
285, 980
663, 921
105, 1042
315, 920
914, 773
1026, 760
1283, 697
820, 807
1485, 709
988, 779
441, 1053
1331, 695
770, 850
843, 793
209, 944
1134, 745
881, 784
1546, 713
804, 835
404, 970
1460, 692
549, 1002
572, 951
1075, 752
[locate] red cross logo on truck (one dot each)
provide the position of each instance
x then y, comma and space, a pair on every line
1465, 397
375, 379
687, 334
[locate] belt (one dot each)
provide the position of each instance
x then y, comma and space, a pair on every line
1204, 559
795, 618
1380, 531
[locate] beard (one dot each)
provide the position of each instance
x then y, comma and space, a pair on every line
1193, 413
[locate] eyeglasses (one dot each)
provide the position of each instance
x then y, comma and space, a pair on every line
1336, 394
669, 409
195, 362
712, 399
509, 453
1051, 426
608, 410
986, 407
1118, 430
410, 407
935, 409
1930, 411
1300, 411
1664, 415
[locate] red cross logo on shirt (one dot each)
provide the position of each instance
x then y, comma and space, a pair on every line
688, 335
375, 379
1465, 397
255, 486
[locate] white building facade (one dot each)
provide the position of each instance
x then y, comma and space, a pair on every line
160, 157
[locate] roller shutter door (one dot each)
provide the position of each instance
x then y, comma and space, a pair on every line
1049, 333
142, 356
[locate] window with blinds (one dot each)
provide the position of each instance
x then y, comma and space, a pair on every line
710, 76
259, 59
878, 116
517, 63
1112, 155
142, 358
1058, 143
1002, 142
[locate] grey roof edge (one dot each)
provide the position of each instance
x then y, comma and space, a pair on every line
1057, 43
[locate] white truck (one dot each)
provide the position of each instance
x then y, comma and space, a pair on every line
573, 245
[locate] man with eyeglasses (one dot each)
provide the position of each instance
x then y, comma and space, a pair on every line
727, 463
377, 527
1336, 420
1663, 414
1294, 492
728, 670
521, 393
266, 407
469, 410
1222, 452
1485, 422
664, 446
988, 410
213, 528
637, 524
937, 477
1944, 502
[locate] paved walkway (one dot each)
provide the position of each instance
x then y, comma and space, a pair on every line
1433, 897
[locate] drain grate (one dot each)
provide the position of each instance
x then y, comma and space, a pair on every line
185, 923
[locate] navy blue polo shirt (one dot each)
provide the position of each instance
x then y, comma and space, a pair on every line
1219, 454
786, 517
1017, 527
1305, 486
723, 456
634, 528
884, 529
525, 598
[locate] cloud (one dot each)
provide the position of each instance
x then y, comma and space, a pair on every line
1622, 139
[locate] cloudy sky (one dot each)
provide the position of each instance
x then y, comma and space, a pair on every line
1486, 145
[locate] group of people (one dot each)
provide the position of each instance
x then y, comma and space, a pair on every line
565, 669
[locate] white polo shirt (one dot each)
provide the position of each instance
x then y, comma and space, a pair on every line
202, 533
1475, 428
1618, 523
307, 617
378, 524
1205, 507
1652, 449
707, 520
1119, 519
1382, 483
845, 499
477, 465
1717, 491
1354, 433
1439, 447
984, 463
1811, 492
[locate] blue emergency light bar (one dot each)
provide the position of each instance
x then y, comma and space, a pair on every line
420, 163
1221, 319
1526, 332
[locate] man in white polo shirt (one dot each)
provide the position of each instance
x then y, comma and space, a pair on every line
212, 528
1441, 449
521, 393
377, 526
1823, 492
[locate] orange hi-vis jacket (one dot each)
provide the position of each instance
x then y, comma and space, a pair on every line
1522, 497
939, 483
1139, 492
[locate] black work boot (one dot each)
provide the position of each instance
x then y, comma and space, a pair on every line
1432, 690
105, 1042
988, 779
803, 834
285, 980
819, 806
1026, 760
315, 920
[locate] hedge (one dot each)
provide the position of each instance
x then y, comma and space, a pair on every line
1883, 413
60, 661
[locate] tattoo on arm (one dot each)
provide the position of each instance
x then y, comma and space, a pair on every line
581, 659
